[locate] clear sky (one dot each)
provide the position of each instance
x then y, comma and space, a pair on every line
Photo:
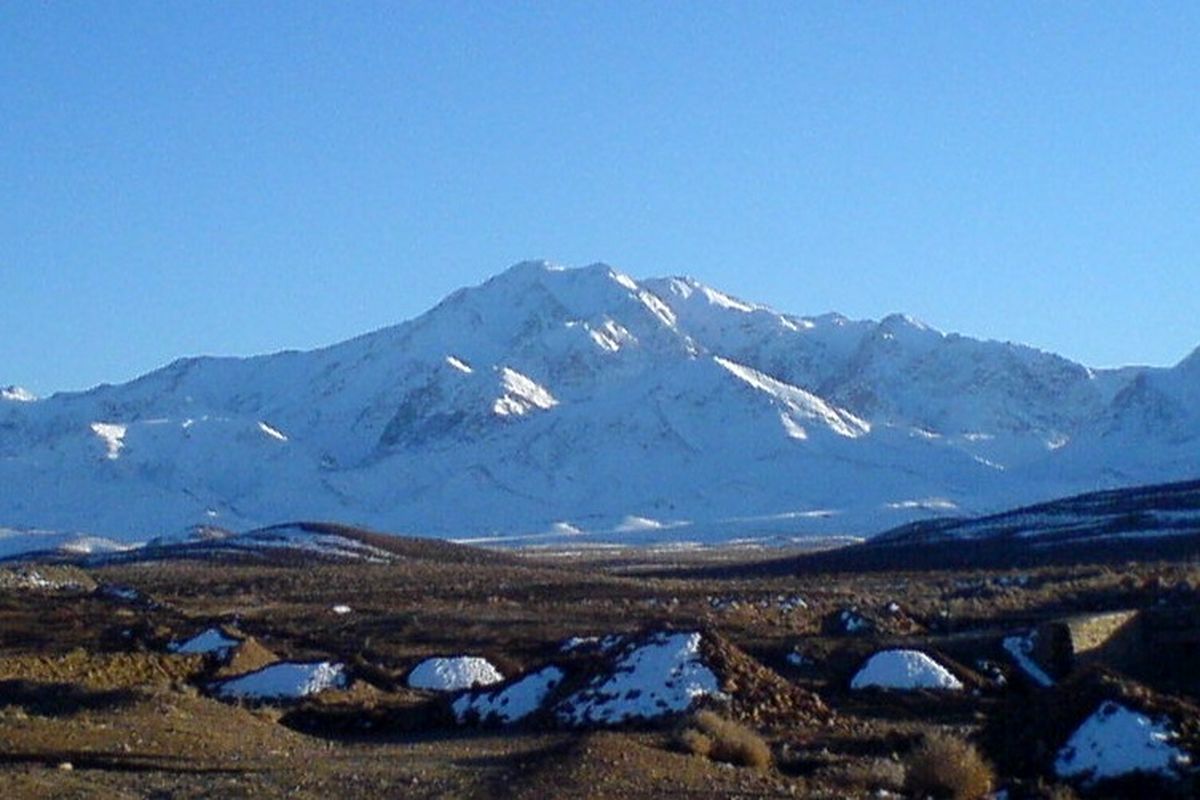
179, 178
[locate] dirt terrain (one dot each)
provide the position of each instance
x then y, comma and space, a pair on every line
94, 703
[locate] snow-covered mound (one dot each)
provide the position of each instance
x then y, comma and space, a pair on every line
453, 674
309, 541
570, 403
511, 704
1116, 741
211, 641
904, 669
283, 681
663, 674
314, 541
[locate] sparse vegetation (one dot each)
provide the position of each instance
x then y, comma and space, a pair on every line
945, 766
84, 673
712, 736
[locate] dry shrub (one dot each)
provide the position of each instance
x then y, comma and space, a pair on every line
943, 766
695, 742
714, 737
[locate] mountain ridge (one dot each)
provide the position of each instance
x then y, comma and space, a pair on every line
548, 398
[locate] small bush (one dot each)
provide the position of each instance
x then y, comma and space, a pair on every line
695, 742
943, 766
720, 739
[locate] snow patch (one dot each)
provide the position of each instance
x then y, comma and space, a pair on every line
632, 523
209, 642
453, 674
663, 675
1021, 650
113, 436
521, 395
16, 394
1115, 741
624, 280
904, 669
604, 645
512, 703
459, 365
274, 433
793, 429
285, 681
725, 301
296, 538
610, 336
797, 401
657, 307
928, 504
850, 621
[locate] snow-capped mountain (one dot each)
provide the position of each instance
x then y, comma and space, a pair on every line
551, 401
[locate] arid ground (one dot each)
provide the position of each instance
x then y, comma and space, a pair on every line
94, 704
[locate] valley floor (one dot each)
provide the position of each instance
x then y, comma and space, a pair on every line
94, 704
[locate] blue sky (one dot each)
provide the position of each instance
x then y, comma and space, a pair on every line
235, 178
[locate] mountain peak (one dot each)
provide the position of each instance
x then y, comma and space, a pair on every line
540, 270
550, 395
897, 320
532, 268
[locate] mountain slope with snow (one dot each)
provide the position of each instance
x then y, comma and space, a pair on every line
547, 402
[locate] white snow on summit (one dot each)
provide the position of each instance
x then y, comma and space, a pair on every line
548, 394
